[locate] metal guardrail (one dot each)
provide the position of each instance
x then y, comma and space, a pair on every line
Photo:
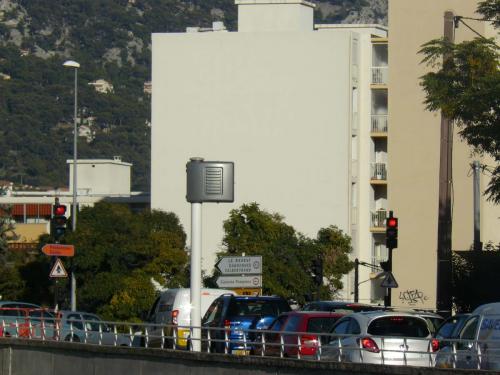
264, 343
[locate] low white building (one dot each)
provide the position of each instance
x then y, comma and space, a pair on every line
290, 103
101, 176
97, 180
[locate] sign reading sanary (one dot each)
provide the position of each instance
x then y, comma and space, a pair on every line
58, 250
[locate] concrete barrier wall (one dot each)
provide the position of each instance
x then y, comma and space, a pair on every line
29, 357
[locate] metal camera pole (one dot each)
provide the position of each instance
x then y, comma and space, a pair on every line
75, 66
207, 181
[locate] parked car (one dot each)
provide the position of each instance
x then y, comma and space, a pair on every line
24, 320
172, 309
434, 320
228, 320
381, 337
339, 307
477, 343
295, 334
450, 328
79, 326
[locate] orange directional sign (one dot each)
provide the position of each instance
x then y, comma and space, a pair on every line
58, 250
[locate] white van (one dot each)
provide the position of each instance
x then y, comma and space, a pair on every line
478, 345
173, 308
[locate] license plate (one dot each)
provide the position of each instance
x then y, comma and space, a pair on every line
241, 352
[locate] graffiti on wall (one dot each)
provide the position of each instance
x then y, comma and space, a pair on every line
412, 297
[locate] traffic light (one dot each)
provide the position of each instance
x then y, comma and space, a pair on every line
317, 270
391, 232
59, 220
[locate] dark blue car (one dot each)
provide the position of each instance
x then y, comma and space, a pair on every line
229, 318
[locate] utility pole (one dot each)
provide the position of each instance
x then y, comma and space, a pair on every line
444, 265
478, 245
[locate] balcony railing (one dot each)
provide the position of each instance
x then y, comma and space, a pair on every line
378, 218
380, 75
379, 171
379, 123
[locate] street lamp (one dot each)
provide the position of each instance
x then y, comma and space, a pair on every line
74, 65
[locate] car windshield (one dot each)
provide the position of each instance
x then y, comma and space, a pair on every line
262, 307
321, 325
435, 322
399, 326
446, 330
92, 323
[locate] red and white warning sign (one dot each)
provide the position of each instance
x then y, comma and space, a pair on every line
58, 270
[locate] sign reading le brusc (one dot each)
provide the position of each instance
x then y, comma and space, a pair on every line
251, 265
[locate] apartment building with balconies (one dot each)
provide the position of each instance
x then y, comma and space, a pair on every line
300, 108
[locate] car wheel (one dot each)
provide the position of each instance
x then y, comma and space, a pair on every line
74, 338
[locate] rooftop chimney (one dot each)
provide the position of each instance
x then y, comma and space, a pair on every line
275, 15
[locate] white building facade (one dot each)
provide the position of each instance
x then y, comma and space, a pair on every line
290, 104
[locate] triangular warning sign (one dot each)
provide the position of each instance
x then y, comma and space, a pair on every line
58, 270
389, 281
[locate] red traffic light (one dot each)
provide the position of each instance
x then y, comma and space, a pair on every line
59, 210
392, 222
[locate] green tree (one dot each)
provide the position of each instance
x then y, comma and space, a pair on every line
287, 255
117, 254
7, 230
465, 87
11, 283
475, 277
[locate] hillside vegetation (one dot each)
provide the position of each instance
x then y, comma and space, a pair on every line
111, 39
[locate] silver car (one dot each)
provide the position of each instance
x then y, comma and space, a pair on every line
77, 326
381, 337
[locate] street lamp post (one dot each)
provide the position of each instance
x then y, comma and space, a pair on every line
74, 65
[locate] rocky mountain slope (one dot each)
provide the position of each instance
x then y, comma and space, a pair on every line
111, 39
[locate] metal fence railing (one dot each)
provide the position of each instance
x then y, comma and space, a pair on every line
301, 345
45, 325
379, 123
378, 171
380, 75
378, 218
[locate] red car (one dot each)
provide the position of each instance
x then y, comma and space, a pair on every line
295, 334
27, 322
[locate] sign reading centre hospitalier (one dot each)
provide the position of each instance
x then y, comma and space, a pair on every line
58, 250
240, 265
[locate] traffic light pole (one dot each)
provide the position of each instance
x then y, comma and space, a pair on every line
356, 280
387, 299
391, 242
